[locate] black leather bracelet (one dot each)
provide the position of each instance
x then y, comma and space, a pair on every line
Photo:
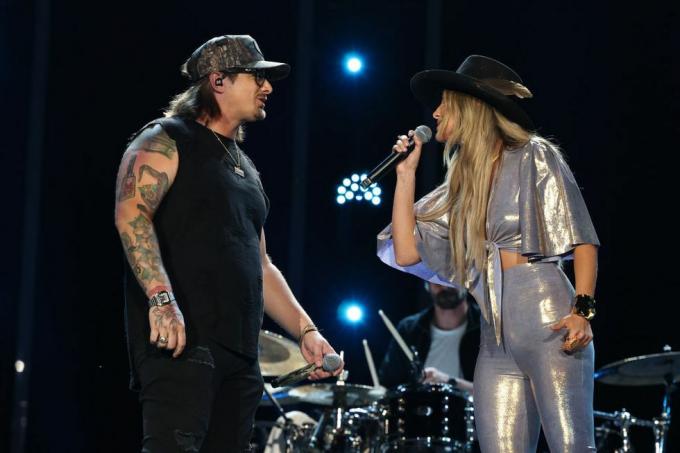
454, 382
584, 306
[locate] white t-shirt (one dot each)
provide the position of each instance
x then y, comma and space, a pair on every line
444, 350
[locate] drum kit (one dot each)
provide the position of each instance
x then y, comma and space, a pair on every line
420, 417
360, 418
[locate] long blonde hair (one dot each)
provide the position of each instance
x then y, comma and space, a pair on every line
478, 129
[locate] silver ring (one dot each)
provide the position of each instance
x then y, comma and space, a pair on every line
162, 340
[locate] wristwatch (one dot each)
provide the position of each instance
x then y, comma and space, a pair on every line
585, 306
161, 298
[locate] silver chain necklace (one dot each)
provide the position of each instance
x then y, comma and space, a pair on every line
237, 162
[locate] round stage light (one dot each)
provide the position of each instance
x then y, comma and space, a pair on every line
351, 311
353, 64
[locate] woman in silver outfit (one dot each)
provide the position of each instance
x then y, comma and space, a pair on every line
507, 214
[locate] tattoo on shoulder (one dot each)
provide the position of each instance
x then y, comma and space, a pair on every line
152, 194
126, 183
159, 143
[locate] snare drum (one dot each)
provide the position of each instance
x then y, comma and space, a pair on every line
428, 417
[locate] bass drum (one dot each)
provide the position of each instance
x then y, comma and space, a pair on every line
428, 418
293, 436
358, 431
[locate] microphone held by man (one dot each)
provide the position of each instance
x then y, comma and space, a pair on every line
331, 362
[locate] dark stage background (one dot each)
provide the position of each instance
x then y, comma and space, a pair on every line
605, 79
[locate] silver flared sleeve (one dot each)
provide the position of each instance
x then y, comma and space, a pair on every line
553, 215
432, 242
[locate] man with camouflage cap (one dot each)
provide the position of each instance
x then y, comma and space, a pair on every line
190, 210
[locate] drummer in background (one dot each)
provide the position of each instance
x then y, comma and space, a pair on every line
446, 336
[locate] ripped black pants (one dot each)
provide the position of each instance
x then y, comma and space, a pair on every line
204, 401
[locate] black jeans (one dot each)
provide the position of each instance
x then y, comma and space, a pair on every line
203, 401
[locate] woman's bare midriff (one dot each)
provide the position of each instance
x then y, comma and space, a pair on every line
510, 259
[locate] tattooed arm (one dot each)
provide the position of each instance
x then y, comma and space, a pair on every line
147, 171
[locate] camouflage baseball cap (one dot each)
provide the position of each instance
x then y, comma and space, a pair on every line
230, 53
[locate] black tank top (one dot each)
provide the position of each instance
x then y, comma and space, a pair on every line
208, 226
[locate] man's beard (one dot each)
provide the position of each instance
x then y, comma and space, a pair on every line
448, 299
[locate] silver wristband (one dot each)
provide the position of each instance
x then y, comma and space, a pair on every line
161, 298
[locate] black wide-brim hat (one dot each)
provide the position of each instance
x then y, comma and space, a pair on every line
482, 77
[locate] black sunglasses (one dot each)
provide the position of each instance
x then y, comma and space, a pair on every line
259, 74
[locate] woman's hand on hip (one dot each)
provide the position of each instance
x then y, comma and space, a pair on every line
578, 335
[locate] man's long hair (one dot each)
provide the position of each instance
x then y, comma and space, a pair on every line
477, 128
198, 101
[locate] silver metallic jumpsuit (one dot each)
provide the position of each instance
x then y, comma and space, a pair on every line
523, 379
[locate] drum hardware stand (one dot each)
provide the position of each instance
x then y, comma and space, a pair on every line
339, 407
288, 424
662, 423
623, 420
339, 402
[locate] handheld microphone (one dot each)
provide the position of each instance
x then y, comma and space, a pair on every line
424, 134
331, 362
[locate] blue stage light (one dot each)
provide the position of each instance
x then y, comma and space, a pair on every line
350, 190
351, 311
353, 64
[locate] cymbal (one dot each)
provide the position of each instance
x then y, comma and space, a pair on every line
323, 394
278, 355
652, 369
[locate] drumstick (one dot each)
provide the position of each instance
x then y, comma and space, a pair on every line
400, 341
342, 377
371, 365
